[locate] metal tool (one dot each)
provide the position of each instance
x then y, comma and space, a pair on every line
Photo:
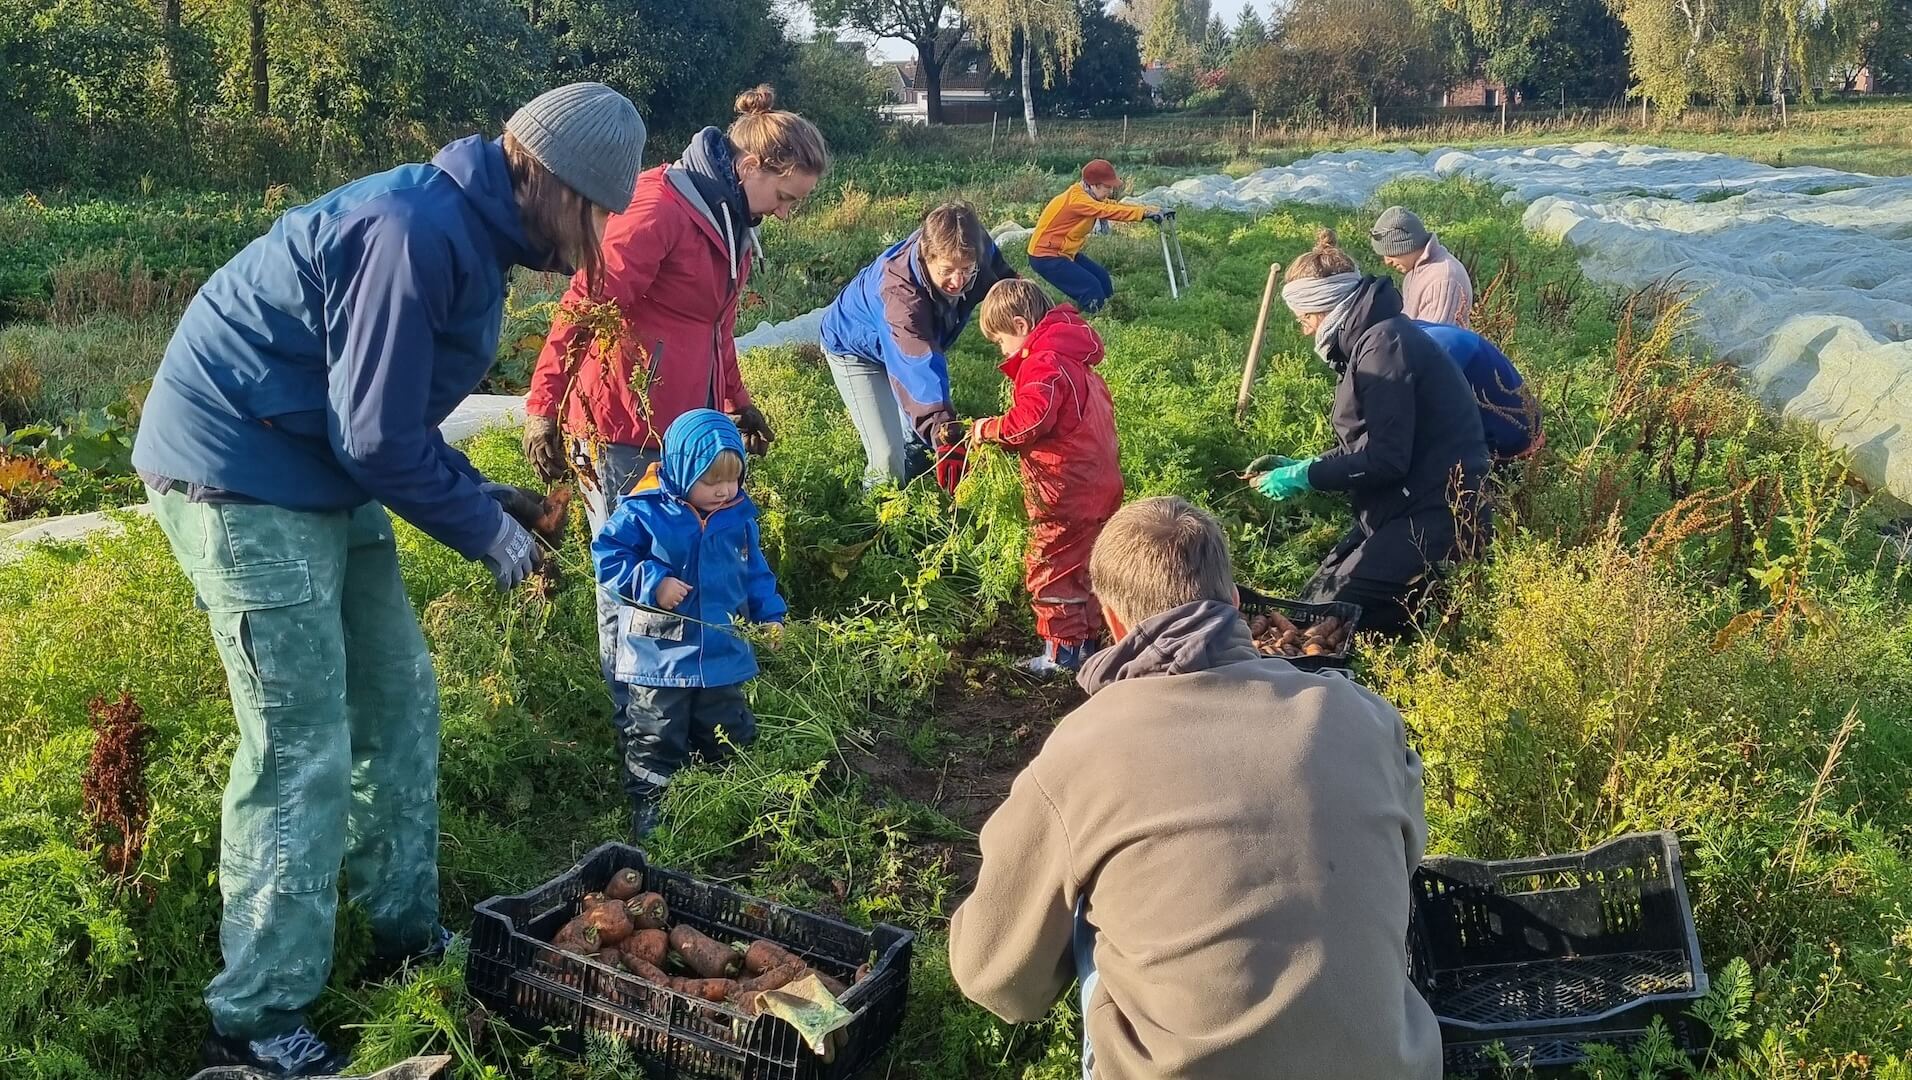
1172, 237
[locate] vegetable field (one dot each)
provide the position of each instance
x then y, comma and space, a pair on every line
1692, 620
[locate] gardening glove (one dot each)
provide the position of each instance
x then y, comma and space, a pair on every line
544, 448
952, 454
1287, 479
522, 503
513, 554
755, 428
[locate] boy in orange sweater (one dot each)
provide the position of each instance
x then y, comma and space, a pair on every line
1055, 248
1061, 423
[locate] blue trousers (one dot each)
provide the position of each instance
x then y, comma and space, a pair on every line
1081, 279
1084, 949
616, 468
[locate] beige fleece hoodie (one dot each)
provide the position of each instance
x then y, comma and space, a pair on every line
1243, 833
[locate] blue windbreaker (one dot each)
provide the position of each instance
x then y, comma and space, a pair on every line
655, 534
1507, 416
890, 314
312, 370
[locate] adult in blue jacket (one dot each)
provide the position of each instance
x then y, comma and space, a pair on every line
1509, 416
683, 556
886, 335
300, 399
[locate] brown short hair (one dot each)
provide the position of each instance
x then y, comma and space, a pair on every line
727, 465
556, 218
1011, 299
953, 231
1157, 554
1325, 260
785, 142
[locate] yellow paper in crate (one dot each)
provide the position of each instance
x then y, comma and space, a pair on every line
808, 1006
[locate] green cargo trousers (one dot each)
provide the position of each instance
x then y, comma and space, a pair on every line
337, 707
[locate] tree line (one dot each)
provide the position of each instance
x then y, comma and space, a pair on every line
229, 92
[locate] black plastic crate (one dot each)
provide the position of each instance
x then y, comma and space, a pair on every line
518, 974
1255, 602
1543, 955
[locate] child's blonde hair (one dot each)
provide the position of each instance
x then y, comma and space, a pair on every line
727, 465
1009, 300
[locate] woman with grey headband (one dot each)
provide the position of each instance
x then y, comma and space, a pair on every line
1410, 452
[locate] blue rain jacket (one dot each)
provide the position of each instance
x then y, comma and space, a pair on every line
655, 534
312, 371
1507, 417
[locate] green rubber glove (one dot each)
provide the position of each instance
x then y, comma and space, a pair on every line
1286, 480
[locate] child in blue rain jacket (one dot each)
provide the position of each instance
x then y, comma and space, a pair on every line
682, 555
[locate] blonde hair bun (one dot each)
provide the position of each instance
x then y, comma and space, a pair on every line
757, 99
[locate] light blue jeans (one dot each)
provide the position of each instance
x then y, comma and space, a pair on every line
617, 468
1086, 975
896, 453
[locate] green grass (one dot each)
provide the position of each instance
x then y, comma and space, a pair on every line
1735, 669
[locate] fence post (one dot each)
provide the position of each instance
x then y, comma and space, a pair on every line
993, 117
1503, 113
1125, 129
1643, 111
1783, 122
1375, 121
1255, 131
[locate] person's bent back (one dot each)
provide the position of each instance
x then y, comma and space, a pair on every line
1218, 844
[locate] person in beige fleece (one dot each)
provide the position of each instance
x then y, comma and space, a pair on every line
1217, 845
1434, 285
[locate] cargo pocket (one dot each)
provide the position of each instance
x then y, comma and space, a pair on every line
654, 624
257, 636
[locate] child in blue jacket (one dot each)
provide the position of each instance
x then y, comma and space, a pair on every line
683, 556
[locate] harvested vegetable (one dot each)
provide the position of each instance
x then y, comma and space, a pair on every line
648, 911
836, 987
625, 884
781, 975
610, 959
610, 921
708, 989
766, 955
1277, 635
707, 957
651, 946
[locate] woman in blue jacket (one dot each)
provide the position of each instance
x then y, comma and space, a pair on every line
886, 335
297, 402
683, 556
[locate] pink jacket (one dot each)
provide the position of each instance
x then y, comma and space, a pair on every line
1438, 290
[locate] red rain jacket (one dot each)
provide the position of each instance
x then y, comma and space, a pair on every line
1061, 422
668, 267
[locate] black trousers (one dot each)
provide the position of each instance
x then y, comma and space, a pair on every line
662, 726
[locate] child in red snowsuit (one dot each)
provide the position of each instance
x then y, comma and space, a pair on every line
1061, 423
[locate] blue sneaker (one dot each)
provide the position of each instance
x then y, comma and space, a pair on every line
1058, 659
299, 1052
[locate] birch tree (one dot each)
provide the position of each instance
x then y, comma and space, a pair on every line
1051, 27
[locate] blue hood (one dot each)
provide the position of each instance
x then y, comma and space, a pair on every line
692, 443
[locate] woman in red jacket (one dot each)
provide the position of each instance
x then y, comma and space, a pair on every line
675, 264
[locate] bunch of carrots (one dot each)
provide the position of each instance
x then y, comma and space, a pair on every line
628, 929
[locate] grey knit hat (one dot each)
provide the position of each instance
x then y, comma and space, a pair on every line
589, 136
1398, 231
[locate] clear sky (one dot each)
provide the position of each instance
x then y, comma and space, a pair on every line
799, 16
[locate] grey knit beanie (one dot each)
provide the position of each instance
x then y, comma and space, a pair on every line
589, 136
1397, 232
